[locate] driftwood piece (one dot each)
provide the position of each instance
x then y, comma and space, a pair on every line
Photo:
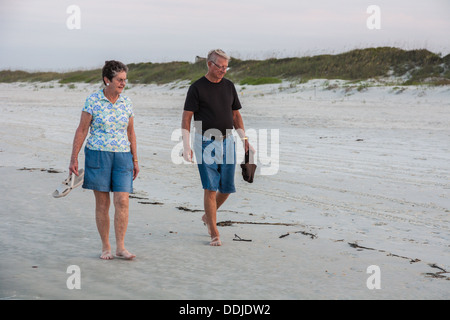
312, 236
237, 238
439, 274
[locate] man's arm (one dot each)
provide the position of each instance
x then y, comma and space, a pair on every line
239, 127
186, 132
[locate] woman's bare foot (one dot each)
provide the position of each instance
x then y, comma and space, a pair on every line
124, 254
215, 242
107, 255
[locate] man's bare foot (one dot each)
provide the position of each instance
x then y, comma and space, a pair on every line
215, 242
206, 223
124, 254
107, 255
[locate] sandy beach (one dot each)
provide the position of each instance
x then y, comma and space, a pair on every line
360, 179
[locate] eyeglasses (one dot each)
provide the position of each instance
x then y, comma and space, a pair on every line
224, 68
121, 80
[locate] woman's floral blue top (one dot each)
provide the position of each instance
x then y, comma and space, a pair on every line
109, 123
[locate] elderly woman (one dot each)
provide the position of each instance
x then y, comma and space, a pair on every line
111, 162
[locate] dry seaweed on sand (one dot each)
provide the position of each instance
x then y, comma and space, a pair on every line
229, 223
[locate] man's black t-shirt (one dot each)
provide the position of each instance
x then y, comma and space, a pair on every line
213, 104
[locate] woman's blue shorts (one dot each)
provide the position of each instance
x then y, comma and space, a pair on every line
108, 171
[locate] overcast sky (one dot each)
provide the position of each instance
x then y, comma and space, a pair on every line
34, 34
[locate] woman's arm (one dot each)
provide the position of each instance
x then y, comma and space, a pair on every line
78, 140
133, 146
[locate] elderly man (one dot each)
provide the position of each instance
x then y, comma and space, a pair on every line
214, 103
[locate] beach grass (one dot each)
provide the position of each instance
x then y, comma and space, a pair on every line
259, 81
415, 66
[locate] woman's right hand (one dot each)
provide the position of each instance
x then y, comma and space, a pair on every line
73, 167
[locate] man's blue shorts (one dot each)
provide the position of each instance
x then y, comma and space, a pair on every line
108, 171
216, 161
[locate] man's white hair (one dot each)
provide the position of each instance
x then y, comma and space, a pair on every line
213, 54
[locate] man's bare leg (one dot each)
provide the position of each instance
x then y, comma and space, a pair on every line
212, 201
121, 204
220, 199
102, 203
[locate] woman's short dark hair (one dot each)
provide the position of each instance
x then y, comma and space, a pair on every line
112, 68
